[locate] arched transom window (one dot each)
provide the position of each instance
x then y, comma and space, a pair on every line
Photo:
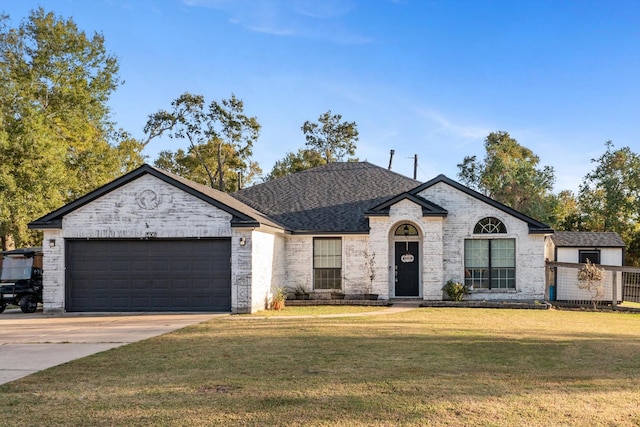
406, 230
489, 225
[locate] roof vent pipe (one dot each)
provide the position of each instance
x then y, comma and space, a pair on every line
391, 158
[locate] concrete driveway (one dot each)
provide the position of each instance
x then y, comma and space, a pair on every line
33, 342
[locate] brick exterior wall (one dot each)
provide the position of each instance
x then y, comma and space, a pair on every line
464, 212
299, 262
271, 258
124, 213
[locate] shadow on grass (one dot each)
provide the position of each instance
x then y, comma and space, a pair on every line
391, 371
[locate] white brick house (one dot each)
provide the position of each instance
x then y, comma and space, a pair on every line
152, 241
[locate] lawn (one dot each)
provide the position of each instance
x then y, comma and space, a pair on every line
441, 367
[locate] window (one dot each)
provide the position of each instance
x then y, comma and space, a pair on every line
406, 230
327, 263
591, 255
489, 225
490, 263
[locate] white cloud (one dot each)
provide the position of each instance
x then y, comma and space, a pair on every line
444, 125
291, 18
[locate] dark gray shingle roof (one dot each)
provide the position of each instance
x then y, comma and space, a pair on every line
574, 239
328, 199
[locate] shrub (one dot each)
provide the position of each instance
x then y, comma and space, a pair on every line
278, 298
590, 278
455, 290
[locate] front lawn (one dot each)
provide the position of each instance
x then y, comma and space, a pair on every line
444, 366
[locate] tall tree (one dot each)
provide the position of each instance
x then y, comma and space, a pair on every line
295, 162
332, 138
566, 212
510, 174
56, 139
220, 138
329, 140
609, 197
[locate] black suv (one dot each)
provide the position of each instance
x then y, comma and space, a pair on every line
21, 279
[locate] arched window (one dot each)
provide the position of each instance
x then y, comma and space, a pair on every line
490, 263
489, 225
406, 230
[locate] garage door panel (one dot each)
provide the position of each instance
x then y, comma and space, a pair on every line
153, 275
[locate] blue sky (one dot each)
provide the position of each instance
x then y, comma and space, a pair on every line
431, 78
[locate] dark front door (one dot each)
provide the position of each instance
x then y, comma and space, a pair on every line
407, 284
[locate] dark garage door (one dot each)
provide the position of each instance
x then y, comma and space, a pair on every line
148, 275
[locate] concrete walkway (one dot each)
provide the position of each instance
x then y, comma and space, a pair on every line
33, 342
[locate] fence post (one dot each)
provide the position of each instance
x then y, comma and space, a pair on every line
614, 301
546, 280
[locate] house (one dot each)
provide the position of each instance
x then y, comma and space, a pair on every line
153, 241
602, 248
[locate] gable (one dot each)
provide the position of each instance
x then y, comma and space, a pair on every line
428, 208
446, 192
241, 214
147, 204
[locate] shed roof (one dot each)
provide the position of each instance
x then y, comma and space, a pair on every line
574, 239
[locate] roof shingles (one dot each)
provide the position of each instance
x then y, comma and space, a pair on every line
605, 239
328, 199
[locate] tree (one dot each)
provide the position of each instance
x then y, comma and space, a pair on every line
220, 138
509, 174
330, 140
609, 197
333, 139
56, 138
566, 212
295, 162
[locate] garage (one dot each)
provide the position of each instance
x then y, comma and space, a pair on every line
148, 275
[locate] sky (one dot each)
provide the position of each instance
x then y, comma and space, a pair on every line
430, 78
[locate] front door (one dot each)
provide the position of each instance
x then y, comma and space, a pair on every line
407, 270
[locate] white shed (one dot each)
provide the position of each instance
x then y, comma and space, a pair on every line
602, 248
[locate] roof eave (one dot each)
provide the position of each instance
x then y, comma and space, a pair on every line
54, 219
533, 230
45, 225
328, 232
535, 226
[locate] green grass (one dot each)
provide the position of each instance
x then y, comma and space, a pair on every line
630, 304
440, 367
319, 310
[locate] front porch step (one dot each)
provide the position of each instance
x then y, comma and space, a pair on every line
406, 302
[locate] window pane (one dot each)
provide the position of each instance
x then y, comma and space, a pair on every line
476, 253
327, 253
503, 278
503, 253
489, 225
406, 229
477, 278
327, 278
593, 256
